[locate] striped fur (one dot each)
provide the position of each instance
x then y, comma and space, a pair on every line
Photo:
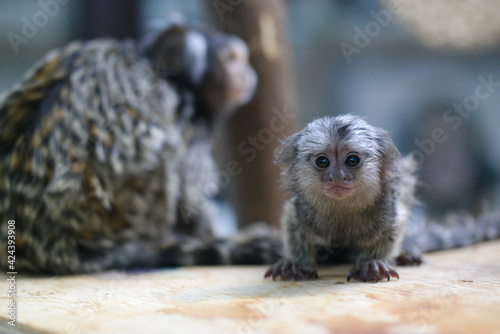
105, 158
457, 230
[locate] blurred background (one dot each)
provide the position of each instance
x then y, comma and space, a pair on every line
428, 71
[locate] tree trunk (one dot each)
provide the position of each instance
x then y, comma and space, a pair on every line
253, 132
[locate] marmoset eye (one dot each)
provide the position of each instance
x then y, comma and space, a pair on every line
352, 160
322, 162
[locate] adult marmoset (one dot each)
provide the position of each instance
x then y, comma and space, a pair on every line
350, 188
106, 155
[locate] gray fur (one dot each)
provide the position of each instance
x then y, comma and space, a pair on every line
456, 230
371, 220
375, 221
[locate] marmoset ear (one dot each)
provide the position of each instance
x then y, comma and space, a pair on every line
388, 151
287, 151
180, 52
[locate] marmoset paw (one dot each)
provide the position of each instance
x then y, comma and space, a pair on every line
409, 257
372, 271
288, 270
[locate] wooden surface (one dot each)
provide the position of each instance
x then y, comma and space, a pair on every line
454, 292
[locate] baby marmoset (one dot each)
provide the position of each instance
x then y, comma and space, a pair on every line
351, 189
106, 154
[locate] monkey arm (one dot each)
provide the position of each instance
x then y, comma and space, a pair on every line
199, 185
299, 249
299, 242
373, 262
383, 250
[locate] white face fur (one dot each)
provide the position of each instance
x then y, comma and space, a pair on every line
339, 160
235, 56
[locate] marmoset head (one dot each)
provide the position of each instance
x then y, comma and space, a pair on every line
213, 64
340, 158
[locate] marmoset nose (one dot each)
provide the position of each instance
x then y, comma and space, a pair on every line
337, 175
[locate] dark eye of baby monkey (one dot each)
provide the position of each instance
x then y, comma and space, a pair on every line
322, 162
352, 160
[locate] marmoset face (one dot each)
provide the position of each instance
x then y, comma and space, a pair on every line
337, 170
342, 158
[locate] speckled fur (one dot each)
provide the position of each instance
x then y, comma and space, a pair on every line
104, 163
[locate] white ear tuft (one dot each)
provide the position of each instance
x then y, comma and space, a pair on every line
196, 55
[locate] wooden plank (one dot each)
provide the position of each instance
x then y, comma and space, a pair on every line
453, 292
